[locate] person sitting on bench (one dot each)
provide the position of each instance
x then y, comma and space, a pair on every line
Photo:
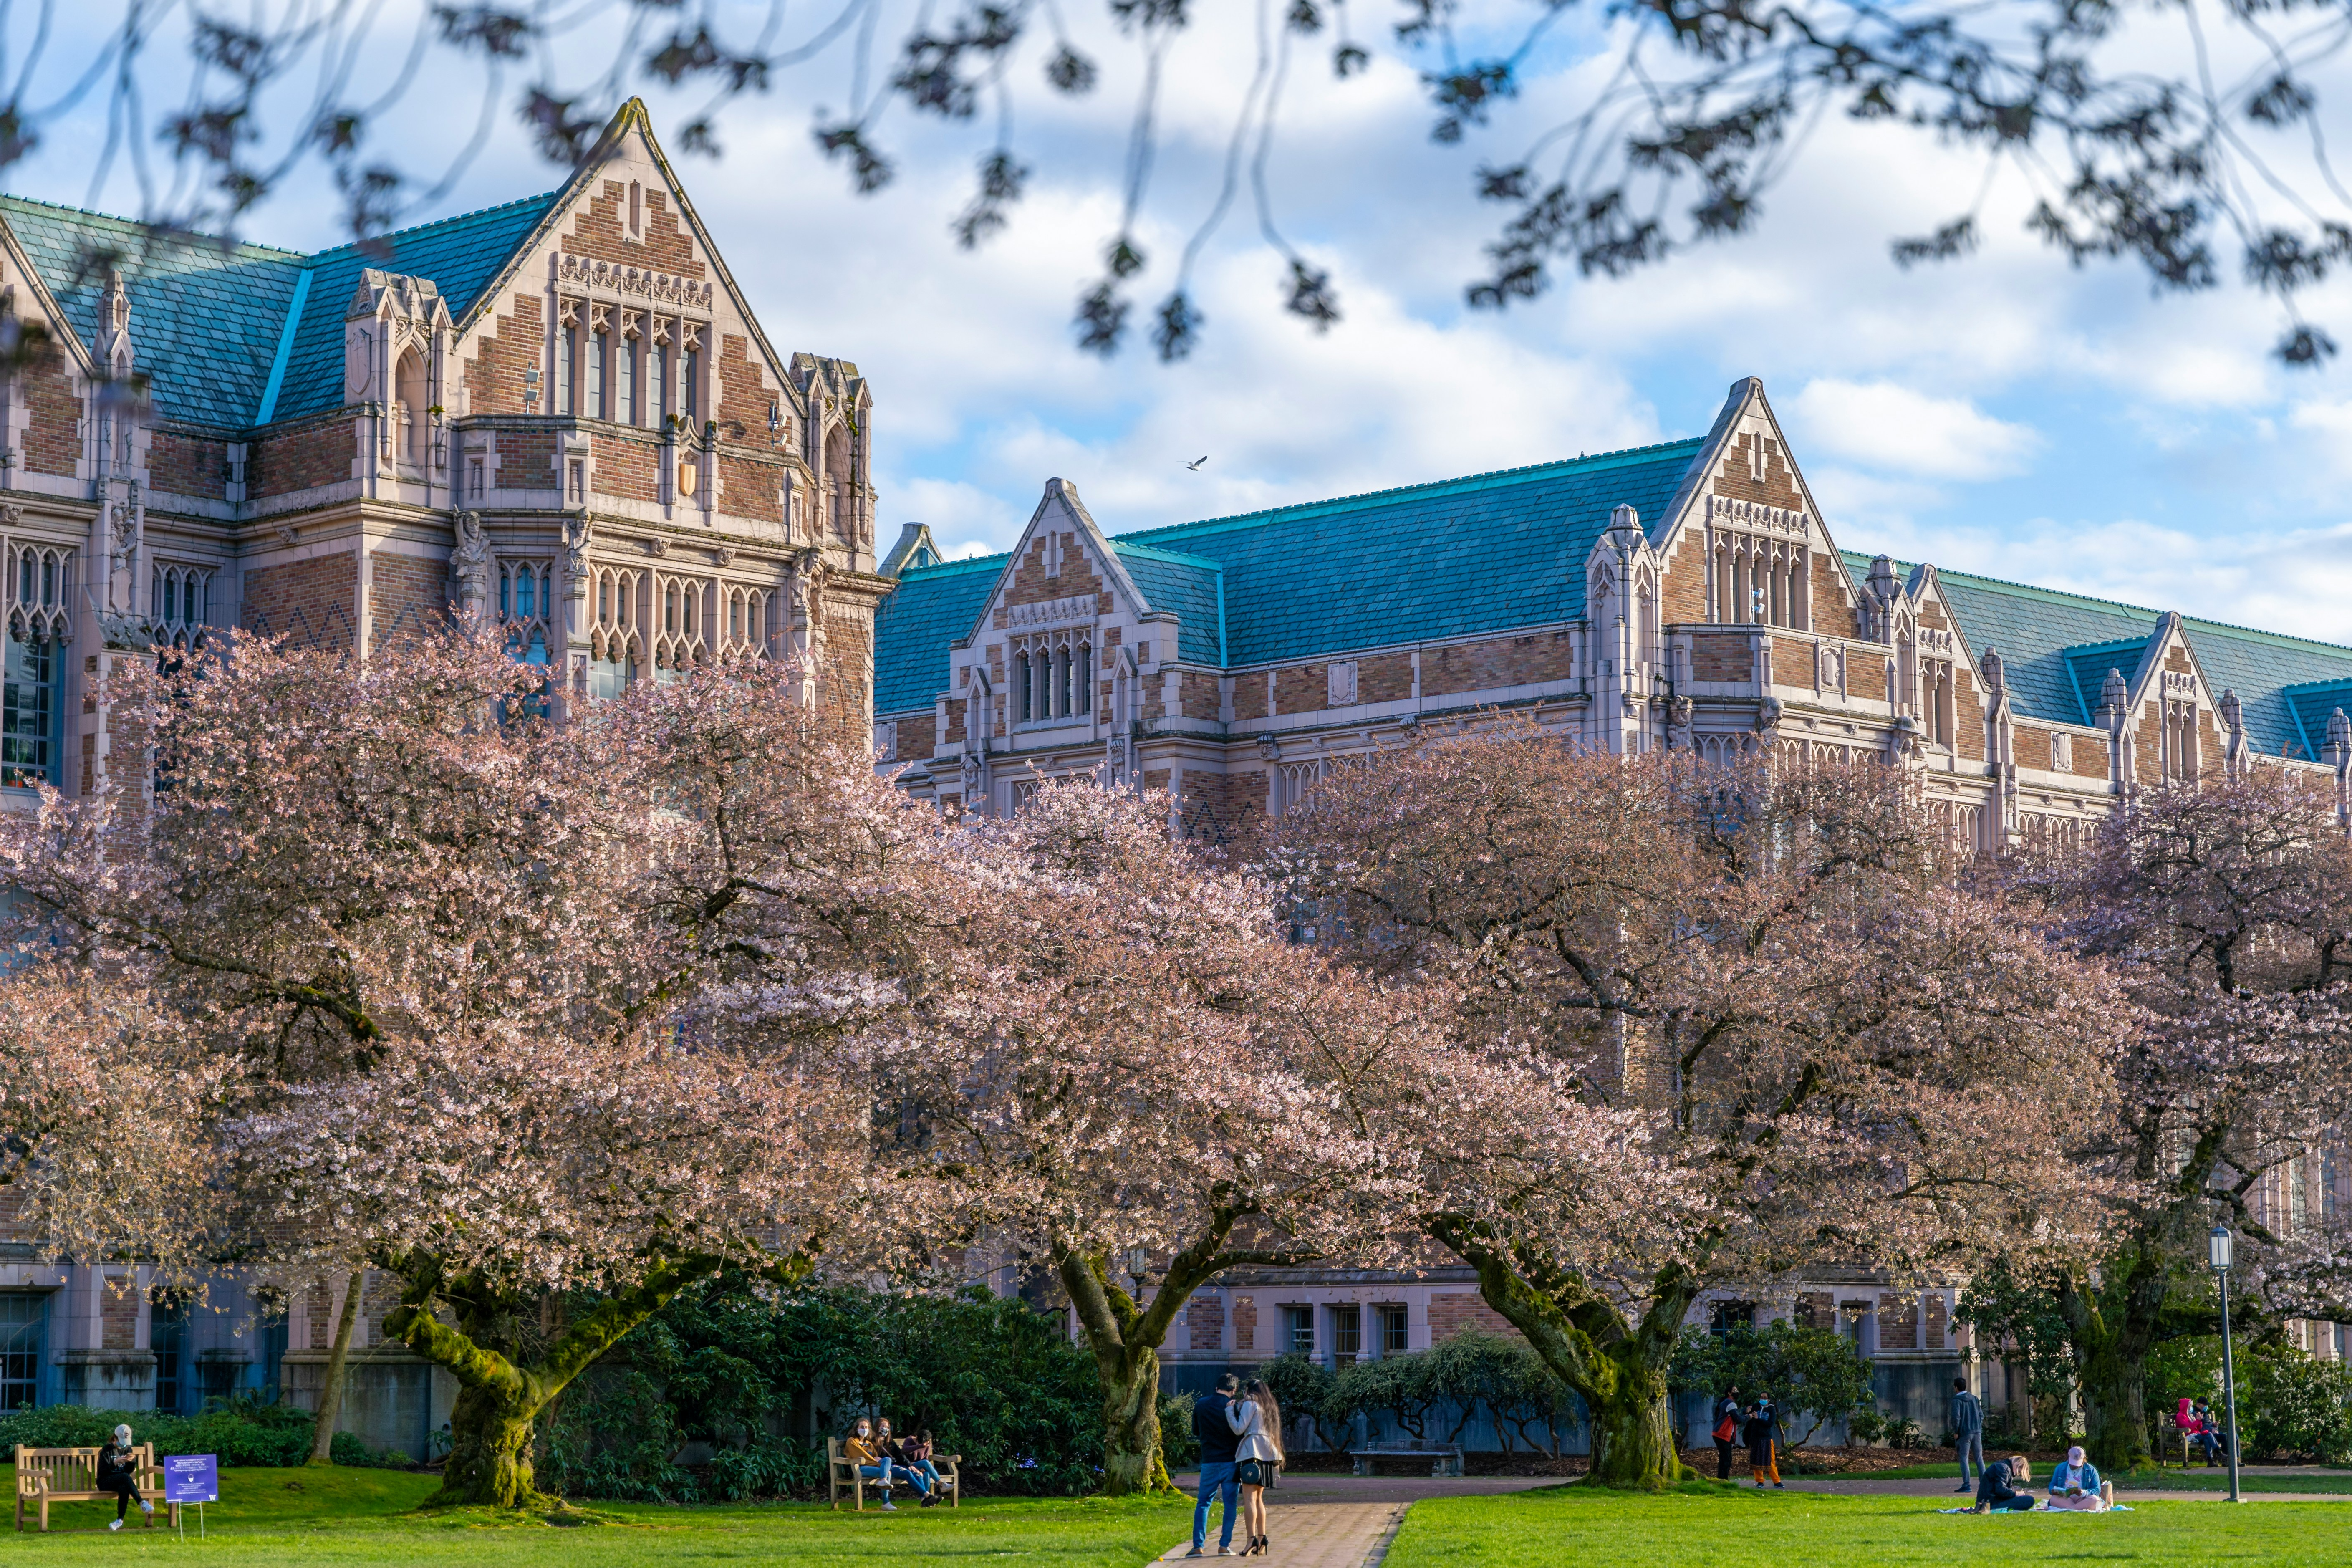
118, 1472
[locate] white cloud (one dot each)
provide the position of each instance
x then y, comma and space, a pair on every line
1892, 428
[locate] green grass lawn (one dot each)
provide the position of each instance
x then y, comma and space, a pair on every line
1705, 1524
2168, 1480
350, 1516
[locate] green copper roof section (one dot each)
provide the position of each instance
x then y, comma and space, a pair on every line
1193, 586
460, 256
2044, 634
932, 608
1456, 558
205, 311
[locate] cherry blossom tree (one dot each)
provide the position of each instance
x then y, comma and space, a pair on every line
2226, 909
1156, 1080
514, 1007
1833, 1056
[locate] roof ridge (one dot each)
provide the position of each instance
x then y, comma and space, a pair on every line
181, 234
963, 563
316, 256
1267, 514
2228, 628
1175, 557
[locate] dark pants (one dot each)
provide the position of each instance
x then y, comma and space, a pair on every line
125, 1490
2022, 1503
1723, 1452
2210, 1443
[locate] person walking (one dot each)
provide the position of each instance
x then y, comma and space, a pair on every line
1256, 1422
1968, 1432
1727, 1431
1217, 1464
1763, 1432
118, 1472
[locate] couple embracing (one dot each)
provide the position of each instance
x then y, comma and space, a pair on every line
1240, 1428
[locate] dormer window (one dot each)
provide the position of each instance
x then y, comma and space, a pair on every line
1052, 678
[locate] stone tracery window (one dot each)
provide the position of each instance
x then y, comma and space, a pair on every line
1761, 561
1053, 677
616, 644
32, 672
179, 602
524, 608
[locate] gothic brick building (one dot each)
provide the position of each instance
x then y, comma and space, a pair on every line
1686, 595
561, 413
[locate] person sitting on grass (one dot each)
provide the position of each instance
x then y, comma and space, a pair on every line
872, 1462
118, 1472
1995, 1494
2075, 1485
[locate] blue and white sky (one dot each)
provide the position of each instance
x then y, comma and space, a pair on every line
2005, 414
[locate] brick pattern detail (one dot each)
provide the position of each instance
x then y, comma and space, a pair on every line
184, 465
1500, 661
118, 1314
1384, 677
1304, 688
1793, 662
1777, 488
917, 735
1198, 695
504, 347
2091, 756
1155, 778
1451, 1312
744, 394
1724, 656
1968, 713
297, 458
405, 594
1685, 597
52, 436
1219, 808
1244, 1322
632, 472
598, 230
955, 731
1898, 1322
526, 460
1030, 585
1205, 1317
750, 487
311, 601
1249, 696
843, 691
1832, 615
2209, 743
1865, 672
1937, 1324
2148, 760
2029, 747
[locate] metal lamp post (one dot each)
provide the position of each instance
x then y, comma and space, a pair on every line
2219, 1251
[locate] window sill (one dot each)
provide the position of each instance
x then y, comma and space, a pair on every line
1074, 722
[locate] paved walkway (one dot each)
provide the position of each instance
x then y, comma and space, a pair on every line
1341, 1521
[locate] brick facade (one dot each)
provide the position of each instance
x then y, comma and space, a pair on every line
1205, 1316
302, 458
404, 593
53, 431
312, 601
505, 347
1451, 1312
188, 465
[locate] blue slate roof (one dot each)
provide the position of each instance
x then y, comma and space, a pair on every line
204, 314
208, 317
460, 255
1451, 559
2056, 649
932, 607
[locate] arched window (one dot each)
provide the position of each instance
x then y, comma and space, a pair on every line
1062, 682
1021, 688
414, 397
1086, 680
841, 514
595, 377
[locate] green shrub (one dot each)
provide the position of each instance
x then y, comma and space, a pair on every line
1814, 1376
2291, 1405
349, 1451
725, 1364
241, 1431
1300, 1385
1178, 1442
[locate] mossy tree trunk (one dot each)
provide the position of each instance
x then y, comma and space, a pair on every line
1126, 1337
1616, 1366
501, 1397
339, 1361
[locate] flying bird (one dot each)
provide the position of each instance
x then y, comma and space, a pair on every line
1196, 462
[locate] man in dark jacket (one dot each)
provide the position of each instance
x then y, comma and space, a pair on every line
1968, 1432
1217, 1445
1727, 1419
1994, 1493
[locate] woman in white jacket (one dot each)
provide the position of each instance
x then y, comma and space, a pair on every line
1256, 1421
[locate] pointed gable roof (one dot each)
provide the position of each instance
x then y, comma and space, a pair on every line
2057, 648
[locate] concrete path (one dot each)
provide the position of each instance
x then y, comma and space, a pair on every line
1340, 1521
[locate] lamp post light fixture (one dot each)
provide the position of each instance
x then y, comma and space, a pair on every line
2218, 1252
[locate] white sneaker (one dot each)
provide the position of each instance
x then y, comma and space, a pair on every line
114, 1524
889, 1508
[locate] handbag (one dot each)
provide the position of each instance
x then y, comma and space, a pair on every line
1727, 1430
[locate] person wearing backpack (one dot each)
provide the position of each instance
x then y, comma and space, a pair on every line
1727, 1431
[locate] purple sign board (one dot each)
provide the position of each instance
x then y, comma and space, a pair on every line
192, 1478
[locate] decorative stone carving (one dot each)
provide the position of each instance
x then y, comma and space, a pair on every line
577, 537
1995, 677
1681, 718
2113, 694
12, 513
470, 564
658, 547
1269, 747
1768, 716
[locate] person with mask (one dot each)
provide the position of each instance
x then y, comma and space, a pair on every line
118, 1472
1217, 1465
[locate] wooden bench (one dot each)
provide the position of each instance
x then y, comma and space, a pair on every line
841, 1475
1445, 1459
44, 1476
